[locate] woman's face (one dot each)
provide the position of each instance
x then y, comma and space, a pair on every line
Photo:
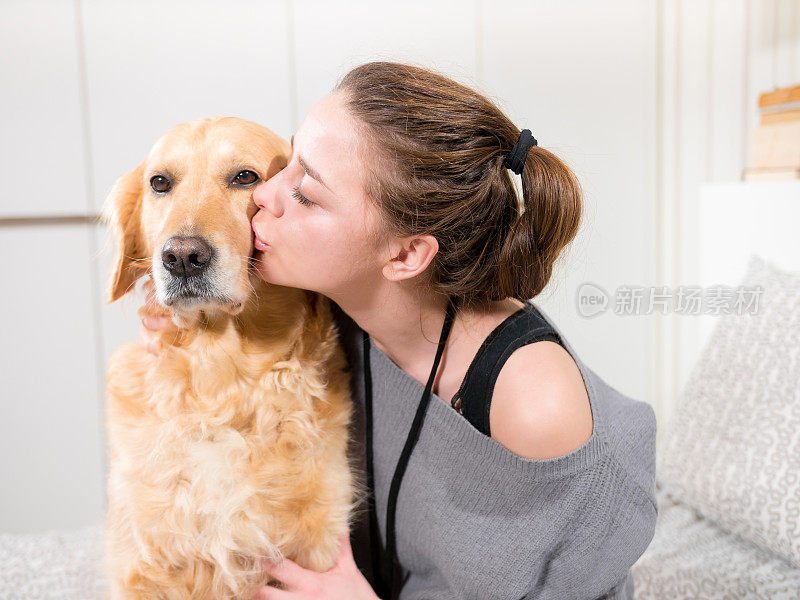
314, 214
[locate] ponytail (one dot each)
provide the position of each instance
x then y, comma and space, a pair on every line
549, 221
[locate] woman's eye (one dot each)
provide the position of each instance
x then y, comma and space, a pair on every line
300, 198
245, 178
160, 184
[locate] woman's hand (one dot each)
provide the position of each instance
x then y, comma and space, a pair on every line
343, 580
155, 319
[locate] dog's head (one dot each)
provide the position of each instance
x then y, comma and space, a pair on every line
184, 214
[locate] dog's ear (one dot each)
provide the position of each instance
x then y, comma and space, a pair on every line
122, 212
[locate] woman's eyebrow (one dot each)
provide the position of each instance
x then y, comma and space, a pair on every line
313, 173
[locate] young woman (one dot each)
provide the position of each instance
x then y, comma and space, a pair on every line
524, 475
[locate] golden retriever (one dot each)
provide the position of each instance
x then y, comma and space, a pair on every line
231, 446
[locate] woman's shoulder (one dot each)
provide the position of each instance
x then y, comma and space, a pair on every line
626, 426
610, 405
540, 406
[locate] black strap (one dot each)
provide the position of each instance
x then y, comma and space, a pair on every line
525, 326
388, 579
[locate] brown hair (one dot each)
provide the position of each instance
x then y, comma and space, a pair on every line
445, 144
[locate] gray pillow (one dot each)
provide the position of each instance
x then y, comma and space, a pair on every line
732, 448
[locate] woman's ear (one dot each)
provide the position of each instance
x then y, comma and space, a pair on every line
122, 212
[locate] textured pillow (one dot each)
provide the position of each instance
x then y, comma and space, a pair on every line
732, 448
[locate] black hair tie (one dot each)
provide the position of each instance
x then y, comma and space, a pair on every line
515, 159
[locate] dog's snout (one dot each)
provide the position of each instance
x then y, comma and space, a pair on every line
186, 256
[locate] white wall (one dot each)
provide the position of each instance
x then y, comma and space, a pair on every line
644, 99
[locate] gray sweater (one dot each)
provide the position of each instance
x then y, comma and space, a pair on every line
475, 520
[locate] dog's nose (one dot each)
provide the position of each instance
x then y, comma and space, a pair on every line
186, 256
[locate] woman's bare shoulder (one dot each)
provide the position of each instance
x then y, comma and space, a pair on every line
540, 406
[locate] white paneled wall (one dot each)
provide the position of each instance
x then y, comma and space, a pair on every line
42, 154
440, 34
645, 100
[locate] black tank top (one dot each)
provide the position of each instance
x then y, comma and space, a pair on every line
474, 397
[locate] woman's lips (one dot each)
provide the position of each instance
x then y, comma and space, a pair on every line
258, 242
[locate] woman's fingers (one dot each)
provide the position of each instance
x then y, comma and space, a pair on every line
155, 323
149, 331
288, 572
152, 326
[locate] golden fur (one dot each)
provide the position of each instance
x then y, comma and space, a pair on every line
231, 445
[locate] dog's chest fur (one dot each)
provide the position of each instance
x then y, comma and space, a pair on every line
215, 461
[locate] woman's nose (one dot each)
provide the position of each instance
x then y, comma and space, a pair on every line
265, 198
260, 195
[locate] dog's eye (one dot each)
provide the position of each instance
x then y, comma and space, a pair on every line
160, 184
245, 178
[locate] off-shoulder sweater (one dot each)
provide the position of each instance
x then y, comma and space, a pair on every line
474, 520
